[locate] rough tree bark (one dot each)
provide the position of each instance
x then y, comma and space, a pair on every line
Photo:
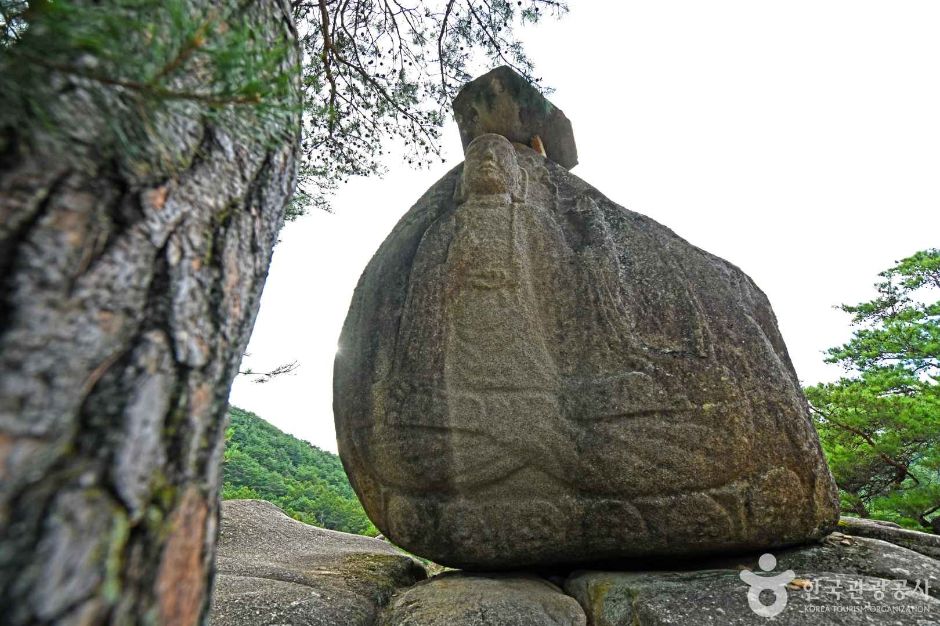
129, 286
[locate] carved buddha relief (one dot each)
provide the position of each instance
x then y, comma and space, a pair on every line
495, 397
500, 378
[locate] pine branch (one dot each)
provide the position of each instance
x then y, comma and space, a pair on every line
264, 377
902, 469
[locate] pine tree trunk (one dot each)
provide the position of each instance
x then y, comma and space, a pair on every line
128, 291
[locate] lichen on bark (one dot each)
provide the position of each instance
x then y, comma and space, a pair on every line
129, 284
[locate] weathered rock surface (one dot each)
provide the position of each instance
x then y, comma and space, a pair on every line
503, 102
275, 570
925, 543
719, 597
531, 374
846, 554
456, 599
844, 580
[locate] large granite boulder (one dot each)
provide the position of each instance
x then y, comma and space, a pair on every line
456, 599
530, 374
275, 570
842, 581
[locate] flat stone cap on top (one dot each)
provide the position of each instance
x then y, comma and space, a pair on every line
503, 102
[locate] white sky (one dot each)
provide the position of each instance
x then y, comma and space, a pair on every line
799, 140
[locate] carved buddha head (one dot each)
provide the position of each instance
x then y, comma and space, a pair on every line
491, 168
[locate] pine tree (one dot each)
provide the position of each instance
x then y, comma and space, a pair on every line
880, 426
147, 155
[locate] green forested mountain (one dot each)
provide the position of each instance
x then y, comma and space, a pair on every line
308, 483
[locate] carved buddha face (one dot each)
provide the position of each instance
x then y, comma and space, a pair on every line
490, 168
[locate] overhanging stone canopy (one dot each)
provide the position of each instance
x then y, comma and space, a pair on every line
505, 103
